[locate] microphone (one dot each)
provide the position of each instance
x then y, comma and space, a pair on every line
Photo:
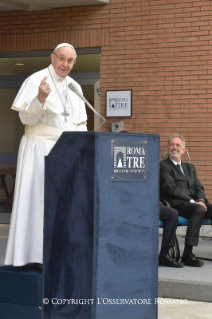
164, 155
73, 88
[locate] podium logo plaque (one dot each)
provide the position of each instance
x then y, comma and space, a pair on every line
128, 160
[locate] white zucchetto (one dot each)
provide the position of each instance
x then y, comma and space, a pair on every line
64, 45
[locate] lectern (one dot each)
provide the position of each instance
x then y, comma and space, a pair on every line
101, 226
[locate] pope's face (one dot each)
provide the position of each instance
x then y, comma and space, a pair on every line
176, 149
63, 60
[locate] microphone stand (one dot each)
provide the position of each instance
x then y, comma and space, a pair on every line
75, 90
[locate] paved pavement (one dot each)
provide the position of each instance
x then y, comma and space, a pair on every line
185, 284
169, 309
189, 282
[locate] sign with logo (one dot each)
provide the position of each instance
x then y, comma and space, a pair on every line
128, 160
118, 103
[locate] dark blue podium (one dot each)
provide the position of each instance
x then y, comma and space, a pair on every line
101, 226
20, 292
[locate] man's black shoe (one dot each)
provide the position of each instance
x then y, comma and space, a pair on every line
191, 260
167, 261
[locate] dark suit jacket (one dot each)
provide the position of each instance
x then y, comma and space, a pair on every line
177, 188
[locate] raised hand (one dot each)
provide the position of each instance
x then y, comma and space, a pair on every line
43, 90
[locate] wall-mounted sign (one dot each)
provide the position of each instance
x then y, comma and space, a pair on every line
128, 160
118, 103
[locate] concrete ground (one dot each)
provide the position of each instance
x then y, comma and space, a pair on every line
186, 293
189, 282
169, 309
181, 291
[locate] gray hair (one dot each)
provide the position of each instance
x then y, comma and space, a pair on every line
179, 136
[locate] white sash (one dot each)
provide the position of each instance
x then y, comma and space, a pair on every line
43, 133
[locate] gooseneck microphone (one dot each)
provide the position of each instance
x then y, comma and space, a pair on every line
75, 90
164, 155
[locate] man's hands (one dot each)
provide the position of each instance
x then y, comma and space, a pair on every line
43, 90
202, 204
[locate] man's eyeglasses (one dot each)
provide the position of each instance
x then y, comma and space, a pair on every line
62, 60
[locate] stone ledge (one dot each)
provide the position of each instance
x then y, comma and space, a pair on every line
178, 289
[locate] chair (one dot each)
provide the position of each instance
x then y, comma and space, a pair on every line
7, 158
182, 221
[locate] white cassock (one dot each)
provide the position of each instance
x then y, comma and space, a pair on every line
43, 126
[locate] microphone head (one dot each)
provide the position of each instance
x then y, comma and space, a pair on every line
72, 87
164, 155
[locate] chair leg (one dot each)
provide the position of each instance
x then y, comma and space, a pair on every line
172, 252
177, 249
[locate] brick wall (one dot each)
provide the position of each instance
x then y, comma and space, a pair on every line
160, 49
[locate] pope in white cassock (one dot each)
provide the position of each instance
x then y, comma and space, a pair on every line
47, 108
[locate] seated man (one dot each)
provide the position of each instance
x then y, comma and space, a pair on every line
180, 186
169, 216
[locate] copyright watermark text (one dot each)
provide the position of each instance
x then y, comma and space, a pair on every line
109, 301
